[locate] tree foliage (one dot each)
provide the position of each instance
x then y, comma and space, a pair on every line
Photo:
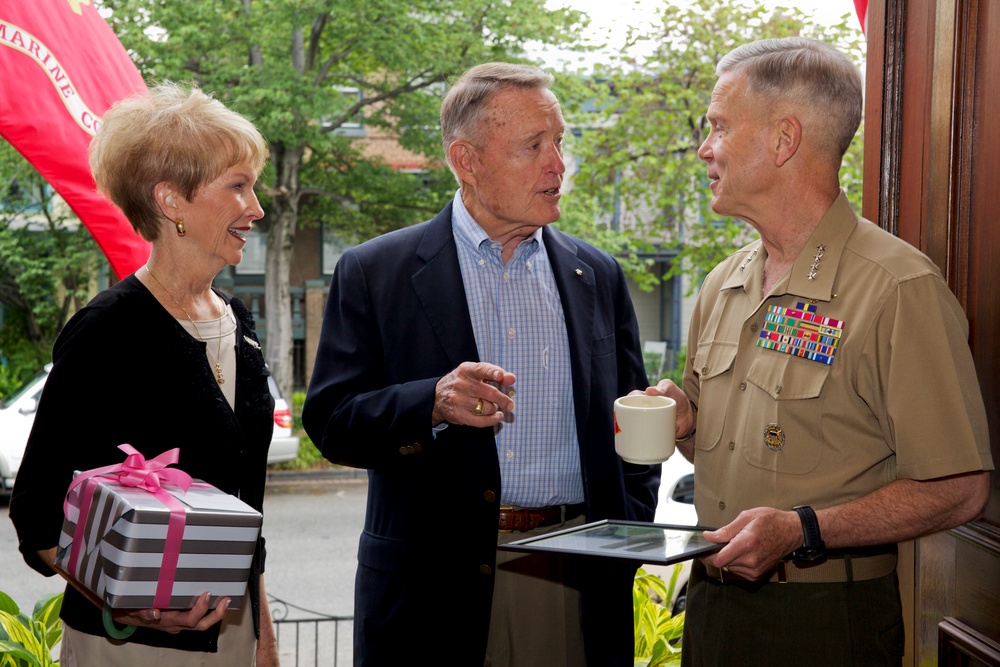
638, 168
47, 262
304, 70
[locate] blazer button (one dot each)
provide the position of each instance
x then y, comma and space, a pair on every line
416, 448
485, 569
490, 497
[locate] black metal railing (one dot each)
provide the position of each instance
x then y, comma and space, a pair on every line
303, 632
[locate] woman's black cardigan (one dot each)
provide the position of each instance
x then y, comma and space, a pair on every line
125, 371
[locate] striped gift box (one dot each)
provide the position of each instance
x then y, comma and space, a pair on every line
123, 555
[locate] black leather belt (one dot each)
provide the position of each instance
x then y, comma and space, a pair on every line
529, 518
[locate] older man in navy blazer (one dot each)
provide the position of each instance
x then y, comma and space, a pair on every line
471, 363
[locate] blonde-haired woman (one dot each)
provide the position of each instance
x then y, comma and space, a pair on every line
161, 360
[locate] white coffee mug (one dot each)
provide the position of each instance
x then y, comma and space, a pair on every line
644, 428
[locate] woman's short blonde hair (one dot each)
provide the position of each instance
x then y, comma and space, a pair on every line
174, 134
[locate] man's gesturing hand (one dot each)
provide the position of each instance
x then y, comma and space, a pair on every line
474, 394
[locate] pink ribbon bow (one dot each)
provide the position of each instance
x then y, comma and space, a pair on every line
149, 476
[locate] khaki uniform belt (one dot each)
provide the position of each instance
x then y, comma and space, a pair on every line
839, 569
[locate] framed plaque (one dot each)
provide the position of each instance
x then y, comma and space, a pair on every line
653, 543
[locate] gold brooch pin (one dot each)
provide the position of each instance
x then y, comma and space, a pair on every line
250, 341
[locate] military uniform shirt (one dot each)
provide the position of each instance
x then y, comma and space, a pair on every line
863, 375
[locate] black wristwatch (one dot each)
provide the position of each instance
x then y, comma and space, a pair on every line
812, 548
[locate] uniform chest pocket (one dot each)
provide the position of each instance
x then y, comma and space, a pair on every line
785, 414
713, 363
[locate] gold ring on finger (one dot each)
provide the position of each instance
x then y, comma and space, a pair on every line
478, 410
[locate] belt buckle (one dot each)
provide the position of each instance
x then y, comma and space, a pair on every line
782, 571
505, 530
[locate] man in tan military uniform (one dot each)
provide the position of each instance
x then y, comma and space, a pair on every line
829, 378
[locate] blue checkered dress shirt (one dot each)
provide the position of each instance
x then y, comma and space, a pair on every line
519, 325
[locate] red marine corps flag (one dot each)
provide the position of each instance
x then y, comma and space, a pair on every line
862, 8
61, 67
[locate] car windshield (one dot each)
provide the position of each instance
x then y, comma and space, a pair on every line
23, 389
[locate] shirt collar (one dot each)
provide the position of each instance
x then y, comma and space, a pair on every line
468, 231
815, 269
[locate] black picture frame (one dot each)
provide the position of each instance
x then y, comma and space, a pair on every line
640, 542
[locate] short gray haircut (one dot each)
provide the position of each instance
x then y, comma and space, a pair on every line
811, 73
465, 106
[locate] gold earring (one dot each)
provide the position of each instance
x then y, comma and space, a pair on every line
180, 226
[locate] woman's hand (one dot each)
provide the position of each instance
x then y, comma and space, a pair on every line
267, 645
199, 617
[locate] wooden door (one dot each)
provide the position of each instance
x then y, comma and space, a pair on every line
932, 176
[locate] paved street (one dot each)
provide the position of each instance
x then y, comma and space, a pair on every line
312, 530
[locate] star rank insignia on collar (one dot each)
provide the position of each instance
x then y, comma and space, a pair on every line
814, 267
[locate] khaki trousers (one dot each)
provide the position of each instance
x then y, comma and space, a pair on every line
536, 618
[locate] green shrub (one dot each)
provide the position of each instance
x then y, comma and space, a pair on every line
28, 641
20, 359
657, 632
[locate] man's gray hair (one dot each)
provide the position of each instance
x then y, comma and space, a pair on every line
811, 73
463, 110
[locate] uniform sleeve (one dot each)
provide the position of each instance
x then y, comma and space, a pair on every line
924, 379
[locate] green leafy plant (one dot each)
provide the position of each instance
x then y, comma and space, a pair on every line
657, 631
28, 641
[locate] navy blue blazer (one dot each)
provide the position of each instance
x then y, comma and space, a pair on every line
396, 321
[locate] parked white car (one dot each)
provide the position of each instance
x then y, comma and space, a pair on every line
284, 445
17, 414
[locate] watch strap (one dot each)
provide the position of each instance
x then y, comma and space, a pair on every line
812, 546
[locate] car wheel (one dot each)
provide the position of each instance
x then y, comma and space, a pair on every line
680, 604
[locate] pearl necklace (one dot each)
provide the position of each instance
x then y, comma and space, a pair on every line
218, 354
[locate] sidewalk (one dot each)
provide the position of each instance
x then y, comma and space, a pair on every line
306, 481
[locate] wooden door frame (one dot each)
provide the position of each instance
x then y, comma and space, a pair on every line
919, 120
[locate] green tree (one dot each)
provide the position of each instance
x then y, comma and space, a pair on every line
47, 263
638, 168
305, 69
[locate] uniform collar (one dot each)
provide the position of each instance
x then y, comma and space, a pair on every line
815, 269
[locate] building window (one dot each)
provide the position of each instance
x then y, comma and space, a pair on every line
353, 127
333, 247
